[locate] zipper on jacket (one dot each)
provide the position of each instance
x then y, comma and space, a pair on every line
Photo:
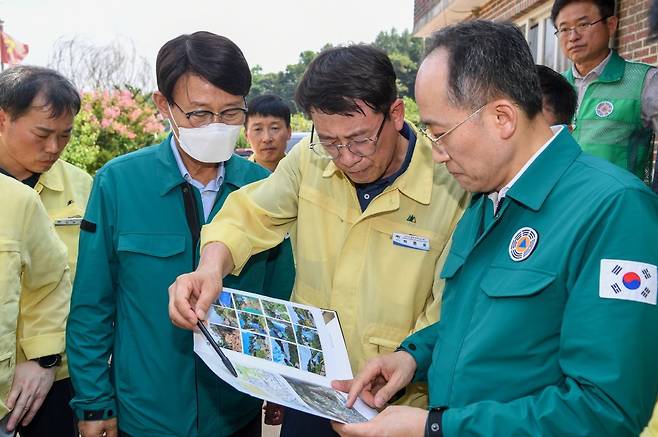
192, 217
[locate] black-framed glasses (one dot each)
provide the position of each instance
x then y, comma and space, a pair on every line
436, 141
578, 28
202, 118
362, 147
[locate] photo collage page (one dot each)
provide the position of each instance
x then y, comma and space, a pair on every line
273, 331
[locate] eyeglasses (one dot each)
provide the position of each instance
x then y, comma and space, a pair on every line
436, 141
203, 118
362, 147
578, 28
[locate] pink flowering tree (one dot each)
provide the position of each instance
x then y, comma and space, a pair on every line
112, 123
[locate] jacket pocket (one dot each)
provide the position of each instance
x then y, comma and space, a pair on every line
7, 363
501, 282
157, 245
67, 225
383, 344
10, 287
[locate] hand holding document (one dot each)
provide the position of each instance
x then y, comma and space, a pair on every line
283, 352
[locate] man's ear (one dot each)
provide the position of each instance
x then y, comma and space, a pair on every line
396, 112
506, 118
612, 23
4, 119
161, 103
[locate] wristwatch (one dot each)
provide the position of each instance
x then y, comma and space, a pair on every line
49, 361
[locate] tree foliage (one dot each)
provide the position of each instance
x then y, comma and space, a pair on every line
112, 123
404, 50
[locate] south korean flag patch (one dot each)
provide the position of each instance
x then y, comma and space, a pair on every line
628, 280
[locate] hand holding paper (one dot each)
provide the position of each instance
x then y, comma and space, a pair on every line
283, 352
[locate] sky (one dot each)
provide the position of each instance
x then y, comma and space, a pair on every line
270, 33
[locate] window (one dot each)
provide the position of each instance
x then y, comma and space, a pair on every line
538, 30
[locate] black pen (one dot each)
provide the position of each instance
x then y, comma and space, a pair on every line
218, 349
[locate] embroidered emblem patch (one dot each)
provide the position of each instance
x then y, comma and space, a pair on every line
523, 244
604, 108
628, 280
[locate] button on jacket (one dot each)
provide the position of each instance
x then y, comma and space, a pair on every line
133, 245
346, 259
34, 282
528, 346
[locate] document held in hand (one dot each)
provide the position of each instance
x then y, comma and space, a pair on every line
283, 352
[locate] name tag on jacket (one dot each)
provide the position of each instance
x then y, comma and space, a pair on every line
68, 221
411, 241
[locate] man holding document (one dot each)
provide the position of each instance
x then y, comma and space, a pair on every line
549, 322
373, 214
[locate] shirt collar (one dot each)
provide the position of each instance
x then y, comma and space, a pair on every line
497, 196
53, 179
535, 182
416, 182
596, 72
213, 185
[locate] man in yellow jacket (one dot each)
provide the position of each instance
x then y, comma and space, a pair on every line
374, 216
34, 286
37, 107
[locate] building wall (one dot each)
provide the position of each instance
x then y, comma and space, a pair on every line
506, 9
631, 38
422, 8
632, 41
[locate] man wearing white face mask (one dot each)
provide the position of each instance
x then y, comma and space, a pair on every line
140, 232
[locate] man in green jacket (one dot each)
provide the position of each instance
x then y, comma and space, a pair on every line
549, 322
140, 232
617, 99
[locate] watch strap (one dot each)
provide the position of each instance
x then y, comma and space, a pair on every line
104, 414
434, 424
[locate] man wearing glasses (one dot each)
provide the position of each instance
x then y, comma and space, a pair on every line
549, 320
374, 215
140, 231
617, 99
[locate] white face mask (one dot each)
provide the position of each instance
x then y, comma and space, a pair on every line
213, 143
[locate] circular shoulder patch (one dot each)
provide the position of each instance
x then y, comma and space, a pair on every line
604, 108
523, 244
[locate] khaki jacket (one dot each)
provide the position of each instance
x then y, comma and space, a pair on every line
64, 190
34, 282
346, 259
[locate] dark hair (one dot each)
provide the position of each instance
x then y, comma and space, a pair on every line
488, 60
213, 57
606, 7
558, 93
20, 85
340, 76
268, 105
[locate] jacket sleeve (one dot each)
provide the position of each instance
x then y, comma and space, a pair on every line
608, 352
257, 216
90, 330
421, 346
46, 286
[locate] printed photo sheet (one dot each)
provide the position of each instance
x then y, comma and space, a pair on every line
283, 352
